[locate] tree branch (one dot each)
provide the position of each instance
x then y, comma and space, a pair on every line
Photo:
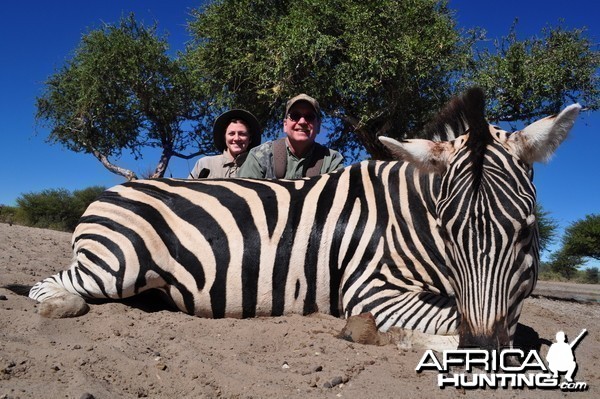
128, 174
190, 156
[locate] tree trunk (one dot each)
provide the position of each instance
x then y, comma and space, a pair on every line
128, 174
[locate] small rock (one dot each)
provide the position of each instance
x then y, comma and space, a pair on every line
3, 298
161, 366
87, 396
313, 370
334, 382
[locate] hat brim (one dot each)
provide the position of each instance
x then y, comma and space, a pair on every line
220, 126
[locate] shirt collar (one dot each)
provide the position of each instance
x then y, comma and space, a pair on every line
227, 158
306, 156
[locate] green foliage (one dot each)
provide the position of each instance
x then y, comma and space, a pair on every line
81, 199
585, 276
57, 209
8, 214
592, 275
582, 238
547, 227
580, 241
534, 78
380, 67
376, 67
120, 91
564, 264
547, 274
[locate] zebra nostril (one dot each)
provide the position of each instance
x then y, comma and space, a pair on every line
495, 337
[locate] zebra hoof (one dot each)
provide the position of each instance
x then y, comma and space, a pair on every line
361, 329
63, 307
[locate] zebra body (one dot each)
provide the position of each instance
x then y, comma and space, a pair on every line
452, 250
260, 257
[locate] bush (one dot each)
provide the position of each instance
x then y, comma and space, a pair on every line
8, 214
547, 274
588, 276
56, 209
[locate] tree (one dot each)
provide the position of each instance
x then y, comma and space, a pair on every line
591, 275
376, 67
379, 67
582, 238
565, 264
121, 91
530, 79
547, 227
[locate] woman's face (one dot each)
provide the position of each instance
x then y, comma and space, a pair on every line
237, 138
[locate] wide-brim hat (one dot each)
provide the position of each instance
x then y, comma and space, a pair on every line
220, 127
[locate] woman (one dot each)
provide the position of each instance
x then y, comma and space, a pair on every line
234, 133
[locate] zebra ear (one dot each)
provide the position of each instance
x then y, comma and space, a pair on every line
428, 156
538, 141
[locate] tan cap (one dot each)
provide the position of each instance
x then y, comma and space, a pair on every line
306, 98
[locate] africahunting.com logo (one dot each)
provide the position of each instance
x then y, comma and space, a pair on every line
507, 368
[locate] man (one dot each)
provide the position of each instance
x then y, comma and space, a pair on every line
297, 155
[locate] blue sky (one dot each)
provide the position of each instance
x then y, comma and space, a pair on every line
38, 36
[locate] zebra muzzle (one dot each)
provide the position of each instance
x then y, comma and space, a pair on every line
493, 338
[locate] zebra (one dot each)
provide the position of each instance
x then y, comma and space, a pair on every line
442, 240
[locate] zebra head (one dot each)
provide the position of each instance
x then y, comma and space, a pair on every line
485, 210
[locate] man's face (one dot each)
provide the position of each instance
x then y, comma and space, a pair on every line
301, 124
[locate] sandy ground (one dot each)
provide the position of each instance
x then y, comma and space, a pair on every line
124, 350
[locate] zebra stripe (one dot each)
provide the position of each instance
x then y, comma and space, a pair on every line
451, 251
243, 248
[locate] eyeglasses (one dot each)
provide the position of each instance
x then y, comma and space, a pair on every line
296, 116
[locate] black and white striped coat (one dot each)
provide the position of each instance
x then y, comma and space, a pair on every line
452, 250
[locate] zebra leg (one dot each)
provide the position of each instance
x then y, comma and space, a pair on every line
56, 301
410, 320
63, 294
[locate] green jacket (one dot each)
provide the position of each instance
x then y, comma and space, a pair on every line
260, 162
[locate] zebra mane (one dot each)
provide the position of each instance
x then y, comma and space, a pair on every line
464, 114
461, 115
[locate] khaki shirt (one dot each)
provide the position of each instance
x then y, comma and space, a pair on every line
259, 163
219, 166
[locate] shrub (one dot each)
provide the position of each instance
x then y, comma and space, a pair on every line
56, 209
8, 214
